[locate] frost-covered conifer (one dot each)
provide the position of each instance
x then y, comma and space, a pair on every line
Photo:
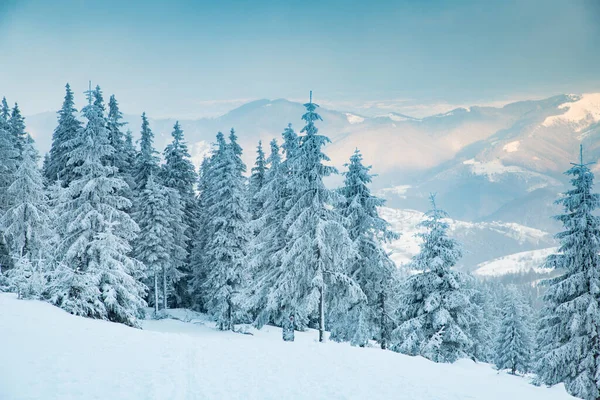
318, 247
156, 245
436, 313
513, 341
68, 126
373, 270
95, 275
178, 173
17, 130
569, 338
227, 220
256, 182
26, 222
8, 156
146, 162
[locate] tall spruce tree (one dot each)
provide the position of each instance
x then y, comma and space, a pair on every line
435, 305
157, 243
514, 341
8, 165
68, 126
17, 130
116, 138
179, 174
26, 226
227, 218
96, 277
318, 246
146, 162
372, 269
256, 182
569, 338
267, 246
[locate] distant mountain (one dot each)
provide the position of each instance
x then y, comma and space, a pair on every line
485, 163
481, 241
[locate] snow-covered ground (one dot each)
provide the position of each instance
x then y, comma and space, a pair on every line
51, 355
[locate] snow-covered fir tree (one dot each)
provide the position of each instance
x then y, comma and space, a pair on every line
318, 246
179, 174
157, 244
373, 270
146, 162
200, 237
116, 138
256, 182
96, 276
68, 126
26, 222
227, 220
514, 344
17, 130
569, 338
8, 157
267, 246
26, 226
435, 307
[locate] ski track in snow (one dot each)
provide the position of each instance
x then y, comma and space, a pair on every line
49, 354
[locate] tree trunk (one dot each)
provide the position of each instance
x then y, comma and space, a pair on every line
287, 329
322, 314
164, 288
155, 292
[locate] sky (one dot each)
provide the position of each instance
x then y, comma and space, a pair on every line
184, 58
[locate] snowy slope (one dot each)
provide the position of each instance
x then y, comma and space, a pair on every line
49, 354
520, 262
481, 241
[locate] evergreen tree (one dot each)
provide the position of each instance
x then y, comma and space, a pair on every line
146, 162
373, 270
129, 157
227, 219
17, 130
435, 306
256, 182
65, 132
5, 110
268, 245
513, 343
95, 276
569, 338
26, 223
178, 173
26, 227
156, 245
116, 138
8, 157
318, 246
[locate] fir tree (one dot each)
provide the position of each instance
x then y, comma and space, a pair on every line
373, 270
435, 307
227, 220
95, 276
513, 343
569, 339
17, 130
116, 138
146, 162
178, 173
267, 246
26, 223
65, 132
318, 246
8, 158
256, 182
156, 245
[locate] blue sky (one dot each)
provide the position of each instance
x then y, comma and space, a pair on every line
186, 58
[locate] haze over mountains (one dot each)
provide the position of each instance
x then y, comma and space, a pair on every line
485, 163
